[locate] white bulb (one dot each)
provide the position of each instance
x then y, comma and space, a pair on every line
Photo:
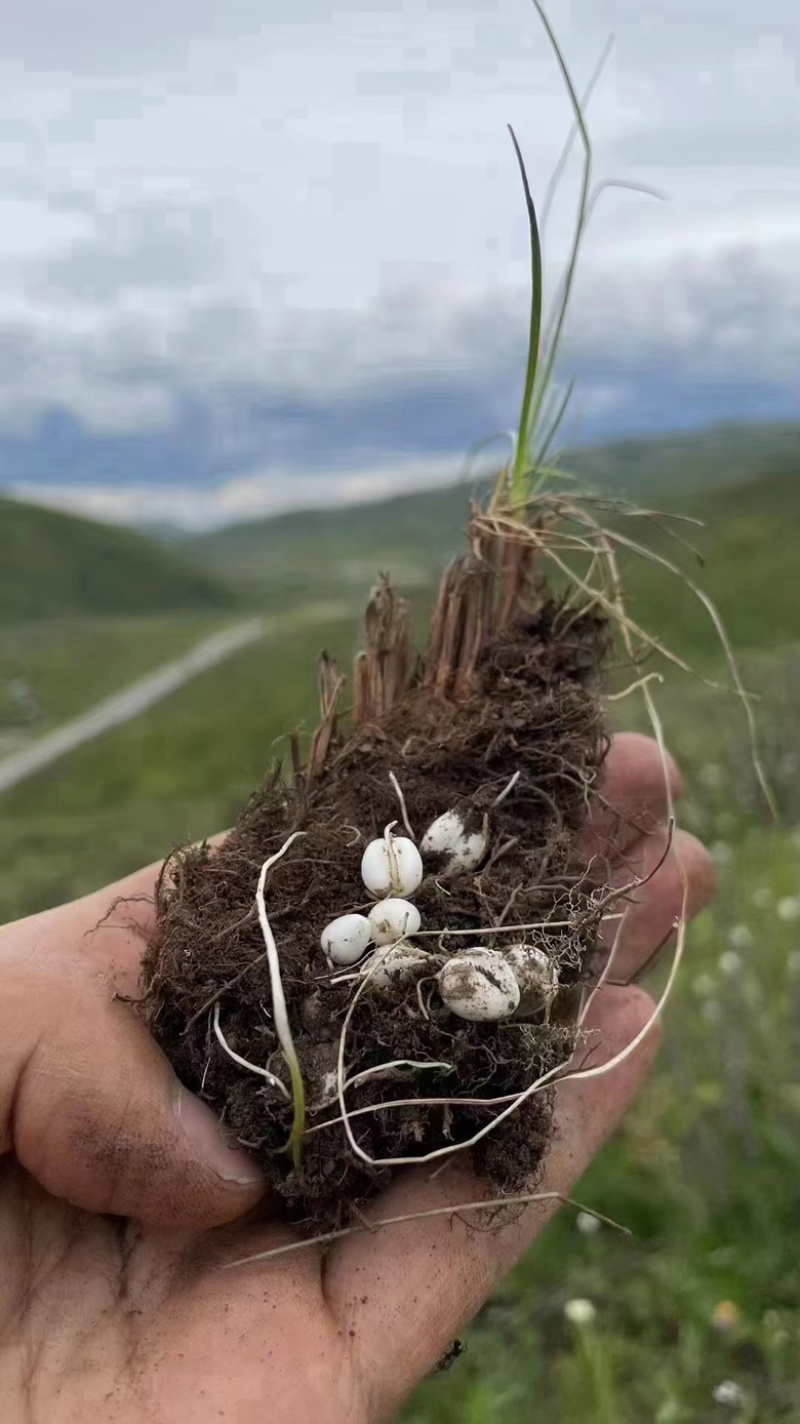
447, 837
345, 940
393, 919
536, 975
391, 866
479, 985
396, 964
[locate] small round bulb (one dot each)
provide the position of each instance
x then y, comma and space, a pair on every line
479, 985
391, 866
345, 939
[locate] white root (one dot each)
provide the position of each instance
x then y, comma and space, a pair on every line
636, 686
515, 929
245, 1062
279, 1015
419, 1102
507, 792
403, 809
457, 1209
385, 1068
590, 997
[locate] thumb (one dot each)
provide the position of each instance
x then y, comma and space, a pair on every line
93, 1111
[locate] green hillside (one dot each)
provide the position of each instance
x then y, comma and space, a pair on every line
54, 564
339, 551
312, 552
56, 668
747, 565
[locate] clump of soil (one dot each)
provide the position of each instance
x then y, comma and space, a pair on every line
507, 687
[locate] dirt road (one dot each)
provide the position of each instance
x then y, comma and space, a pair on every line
131, 701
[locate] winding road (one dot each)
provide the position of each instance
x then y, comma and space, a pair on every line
131, 701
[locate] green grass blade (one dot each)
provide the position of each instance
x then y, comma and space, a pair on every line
580, 225
535, 330
558, 171
555, 426
628, 186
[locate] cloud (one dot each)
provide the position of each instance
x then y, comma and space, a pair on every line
290, 238
131, 251
446, 349
251, 496
94, 36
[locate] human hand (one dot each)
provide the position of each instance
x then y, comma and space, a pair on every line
120, 1200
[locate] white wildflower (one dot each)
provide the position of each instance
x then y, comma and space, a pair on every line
711, 775
580, 1312
741, 937
788, 909
730, 1394
586, 1224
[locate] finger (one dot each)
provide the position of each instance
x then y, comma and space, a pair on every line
678, 876
636, 790
93, 1111
403, 1295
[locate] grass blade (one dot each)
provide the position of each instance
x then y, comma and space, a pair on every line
535, 330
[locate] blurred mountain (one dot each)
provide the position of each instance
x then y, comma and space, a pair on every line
314, 553
54, 565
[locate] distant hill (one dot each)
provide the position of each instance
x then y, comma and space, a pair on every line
314, 552
749, 548
339, 551
53, 564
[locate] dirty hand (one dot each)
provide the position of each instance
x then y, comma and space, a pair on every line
120, 1200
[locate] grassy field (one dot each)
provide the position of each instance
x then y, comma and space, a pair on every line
68, 664
177, 773
706, 1171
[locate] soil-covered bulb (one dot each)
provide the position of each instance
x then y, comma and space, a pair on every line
449, 838
479, 985
396, 964
536, 975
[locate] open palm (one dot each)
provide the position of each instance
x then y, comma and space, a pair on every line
120, 1201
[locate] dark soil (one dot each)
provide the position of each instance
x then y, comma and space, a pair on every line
532, 708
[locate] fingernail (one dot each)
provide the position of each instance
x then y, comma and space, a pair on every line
201, 1127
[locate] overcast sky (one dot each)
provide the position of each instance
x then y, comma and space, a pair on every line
312, 210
